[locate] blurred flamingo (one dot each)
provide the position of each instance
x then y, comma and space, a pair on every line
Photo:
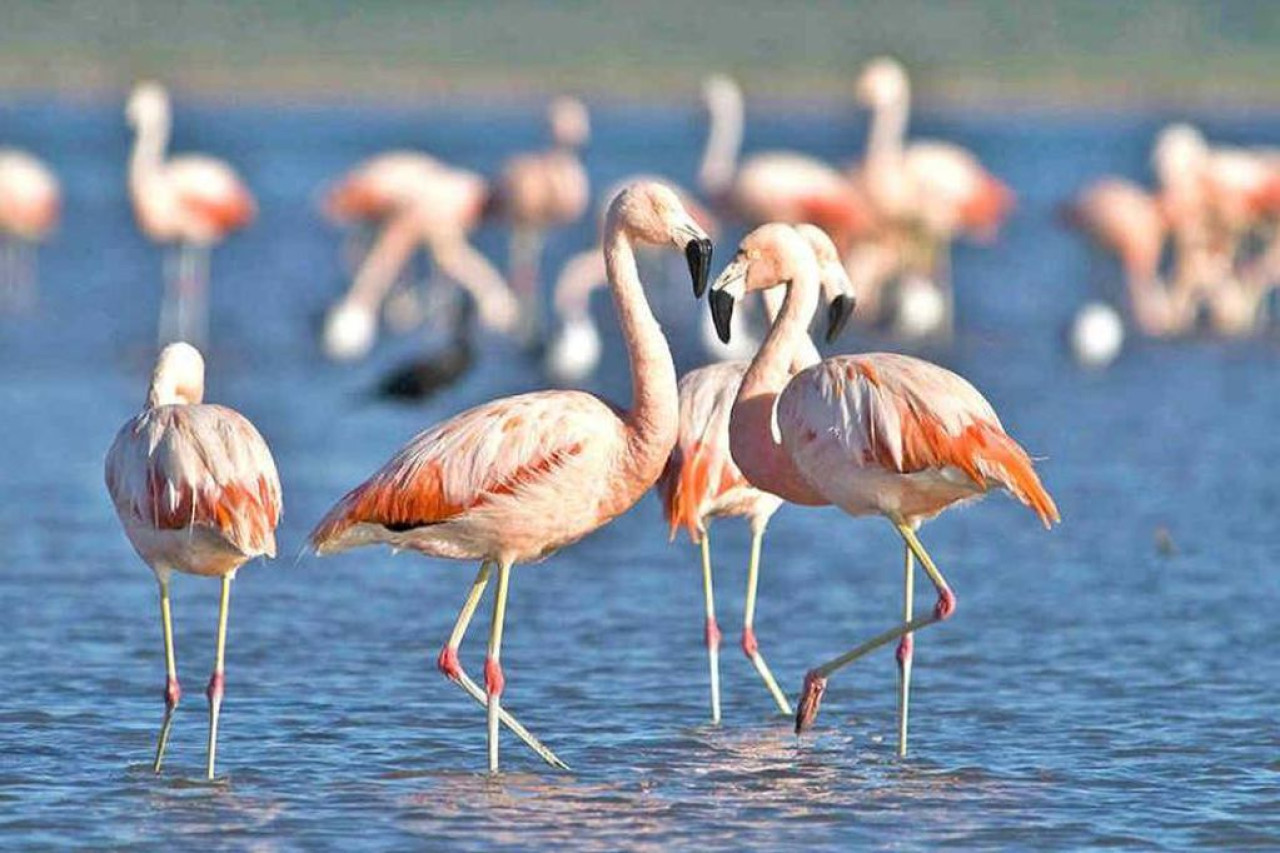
516, 479
925, 193
536, 192
875, 434
30, 199
191, 202
773, 186
196, 490
701, 481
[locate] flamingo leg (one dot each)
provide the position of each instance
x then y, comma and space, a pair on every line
167, 330
449, 665
815, 681
525, 256
172, 691
906, 647
712, 632
493, 677
217, 681
749, 645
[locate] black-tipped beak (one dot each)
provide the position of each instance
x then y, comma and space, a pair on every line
722, 313
838, 314
698, 253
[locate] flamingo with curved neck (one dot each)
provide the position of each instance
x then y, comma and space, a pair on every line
516, 479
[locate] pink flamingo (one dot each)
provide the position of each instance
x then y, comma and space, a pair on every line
701, 481
192, 202
536, 192
928, 191
196, 490
874, 434
773, 186
30, 200
516, 479
441, 213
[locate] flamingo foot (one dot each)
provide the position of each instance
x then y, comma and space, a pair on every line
810, 698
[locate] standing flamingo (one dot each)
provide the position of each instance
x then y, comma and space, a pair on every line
536, 192
192, 202
701, 481
441, 214
29, 204
875, 434
773, 186
196, 490
927, 192
516, 479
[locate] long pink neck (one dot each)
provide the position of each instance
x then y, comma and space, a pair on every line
888, 130
655, 410
755, 448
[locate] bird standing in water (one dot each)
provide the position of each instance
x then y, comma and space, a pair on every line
874, 434
516, 479
196, 490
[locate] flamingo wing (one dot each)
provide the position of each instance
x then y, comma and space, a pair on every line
210, 190
508, 447
177, 467
904, 415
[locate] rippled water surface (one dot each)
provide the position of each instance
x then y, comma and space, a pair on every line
1093, 689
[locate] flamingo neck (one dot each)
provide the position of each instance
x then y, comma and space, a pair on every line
806, 354
169, 388
888, 131
754, 442
724, 143
655, 409
149, 148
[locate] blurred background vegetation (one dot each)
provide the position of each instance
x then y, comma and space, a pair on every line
1089, 51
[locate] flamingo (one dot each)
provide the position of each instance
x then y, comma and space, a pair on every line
192, 202
196, 491
1127, 221
874, 434
516, 479
536, 192
574, 349
773, 186
30, 200
441, 215
925, 193
701, 481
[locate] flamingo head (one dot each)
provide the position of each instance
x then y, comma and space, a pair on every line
570, 122
651, 212
148, 104
1180, 149
883, 82
771, 255
837, 290
720, 89
178, 377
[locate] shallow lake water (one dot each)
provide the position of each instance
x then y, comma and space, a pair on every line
1112, 683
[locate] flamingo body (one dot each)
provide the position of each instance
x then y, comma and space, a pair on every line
380, 185
30, 197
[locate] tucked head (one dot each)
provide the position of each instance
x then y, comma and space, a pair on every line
570, 123
882, 82
650, 212
148, 103
837, 289
178, 377
772, 254
1179, 148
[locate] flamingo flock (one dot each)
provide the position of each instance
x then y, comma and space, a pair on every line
770, 421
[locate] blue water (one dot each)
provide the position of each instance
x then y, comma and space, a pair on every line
1093, 689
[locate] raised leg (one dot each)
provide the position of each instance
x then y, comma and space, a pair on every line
712, 632
450, 665
217, 682
493, 678
749, 645
905, 649
815, 681
172, 691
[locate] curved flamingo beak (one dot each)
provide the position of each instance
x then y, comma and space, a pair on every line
838, 314
698, 254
